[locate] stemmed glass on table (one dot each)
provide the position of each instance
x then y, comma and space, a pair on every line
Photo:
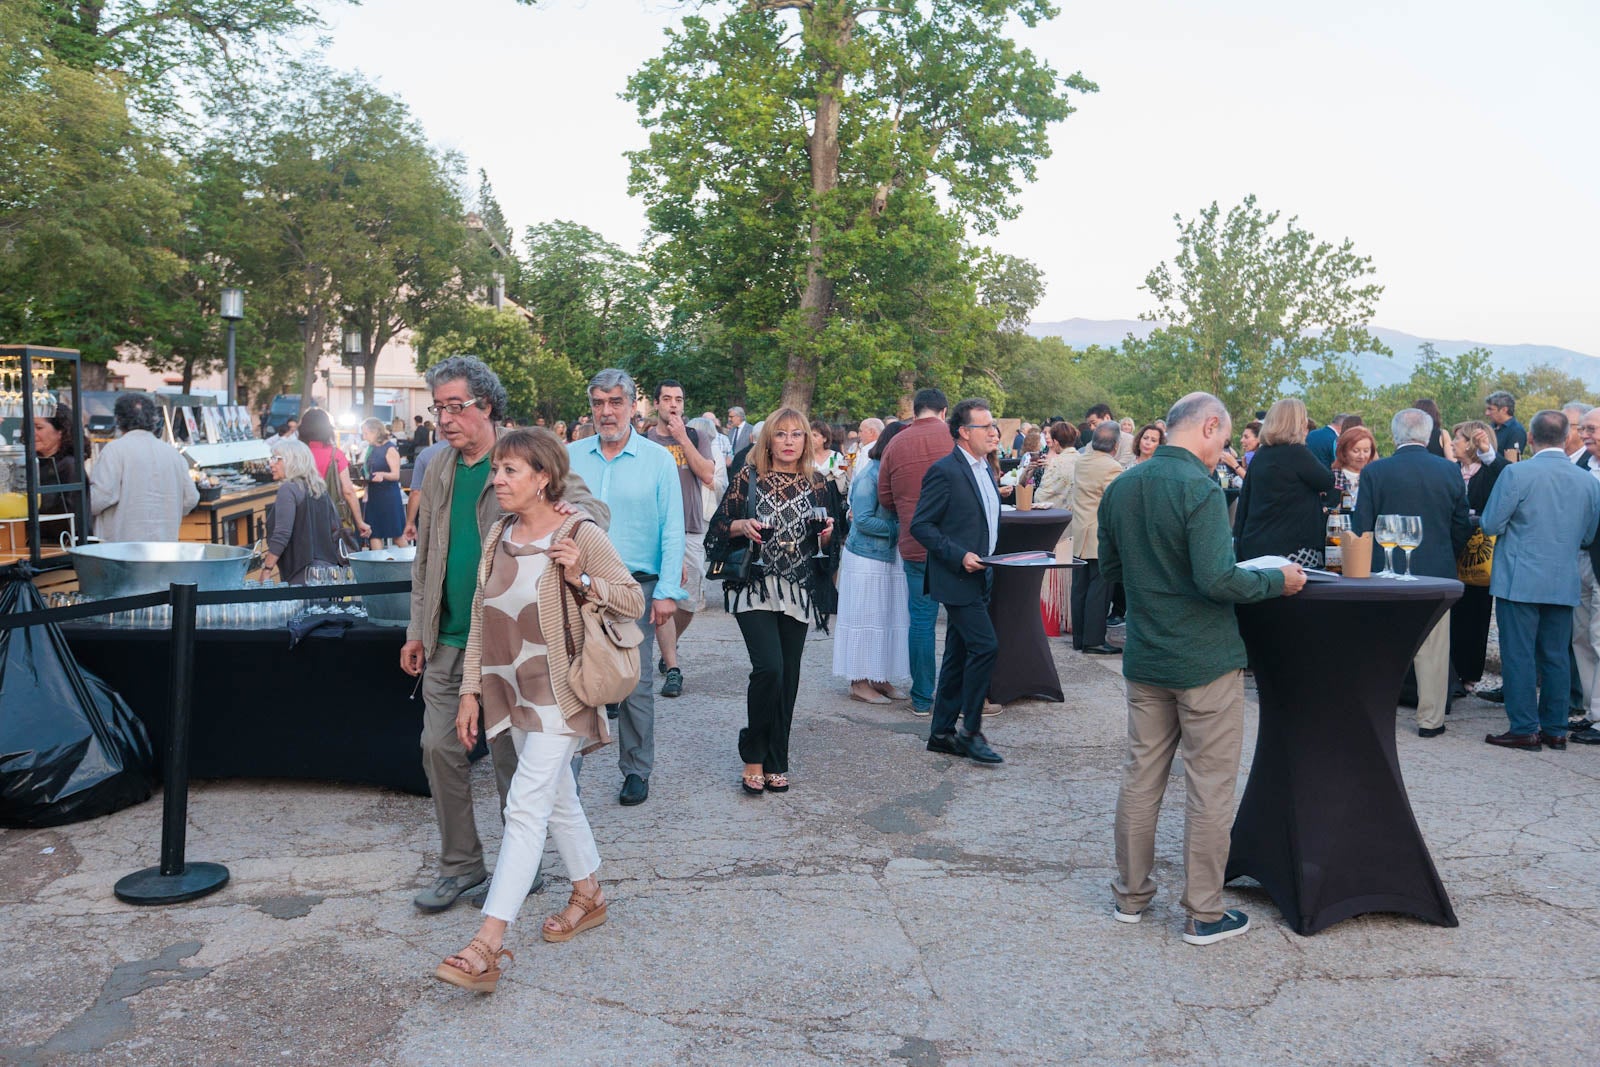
1408, 535
1387, 533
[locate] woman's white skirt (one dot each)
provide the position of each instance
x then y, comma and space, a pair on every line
871, 631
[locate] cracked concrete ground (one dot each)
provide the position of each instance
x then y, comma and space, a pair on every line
894, 907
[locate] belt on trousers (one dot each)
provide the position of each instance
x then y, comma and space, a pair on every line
641, 577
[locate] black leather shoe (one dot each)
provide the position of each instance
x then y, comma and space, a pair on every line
1496, 695
1429, 731
1586, 736
634, 790
1510, 740
945, 743
976, 749
1102, 650
1551, 741
1574, 725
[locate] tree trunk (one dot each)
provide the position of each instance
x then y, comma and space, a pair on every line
188, 374
310, 355
816, 302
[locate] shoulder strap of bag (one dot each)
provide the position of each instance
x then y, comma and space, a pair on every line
566, 619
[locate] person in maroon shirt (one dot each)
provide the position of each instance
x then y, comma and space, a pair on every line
908, 457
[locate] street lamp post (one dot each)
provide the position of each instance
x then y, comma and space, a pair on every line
232, 311
351, 355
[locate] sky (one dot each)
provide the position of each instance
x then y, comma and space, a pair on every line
1453, 141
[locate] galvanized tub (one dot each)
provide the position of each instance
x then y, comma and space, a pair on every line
128, 568
385, 565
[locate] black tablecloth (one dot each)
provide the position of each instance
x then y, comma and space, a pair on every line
336, 709
1024, 666
1325, 824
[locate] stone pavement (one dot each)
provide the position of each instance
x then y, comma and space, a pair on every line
896, 907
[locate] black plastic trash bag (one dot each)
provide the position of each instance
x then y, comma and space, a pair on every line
70, 747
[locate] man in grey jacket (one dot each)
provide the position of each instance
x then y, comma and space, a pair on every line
457, 508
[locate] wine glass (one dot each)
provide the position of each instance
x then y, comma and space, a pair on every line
1387, 535
819, 522
1409, 536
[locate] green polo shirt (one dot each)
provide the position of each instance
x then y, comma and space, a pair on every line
465, 552
1164, 535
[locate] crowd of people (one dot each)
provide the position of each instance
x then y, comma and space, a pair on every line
867, 533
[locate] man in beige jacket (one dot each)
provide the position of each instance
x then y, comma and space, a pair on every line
457, 509
1091, 594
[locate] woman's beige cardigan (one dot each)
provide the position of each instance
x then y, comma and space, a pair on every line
613, 588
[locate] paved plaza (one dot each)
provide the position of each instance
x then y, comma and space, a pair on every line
895, 907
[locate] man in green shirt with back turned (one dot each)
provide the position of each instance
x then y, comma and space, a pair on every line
1164, 534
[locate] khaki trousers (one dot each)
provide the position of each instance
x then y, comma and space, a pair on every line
1432, 667
448, 769
1207, 723
1586, 634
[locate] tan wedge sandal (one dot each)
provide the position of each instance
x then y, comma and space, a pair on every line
483, 981
562, 930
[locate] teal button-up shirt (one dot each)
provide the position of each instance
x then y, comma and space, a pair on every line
1164, 535
641, 488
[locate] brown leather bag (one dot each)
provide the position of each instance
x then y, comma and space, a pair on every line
606, 671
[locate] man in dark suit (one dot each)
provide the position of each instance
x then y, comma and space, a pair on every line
1324, 440
1415, 482
958, 520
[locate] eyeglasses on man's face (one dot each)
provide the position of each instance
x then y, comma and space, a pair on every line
987, 427
455, 407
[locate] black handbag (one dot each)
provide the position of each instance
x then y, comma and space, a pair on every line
733, 562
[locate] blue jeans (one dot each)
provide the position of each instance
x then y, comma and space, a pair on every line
924, 611
1535, 640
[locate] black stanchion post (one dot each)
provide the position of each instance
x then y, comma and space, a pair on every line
175, 880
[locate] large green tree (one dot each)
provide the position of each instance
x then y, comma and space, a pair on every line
342, 214
538, 380
813, 166
590, 298
90, 206
1248, 306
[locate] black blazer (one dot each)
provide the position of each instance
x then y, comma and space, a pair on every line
1414, 482
1281, 505
949, 522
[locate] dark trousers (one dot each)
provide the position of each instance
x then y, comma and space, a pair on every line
1469, 632
1119, 600
970, 646
775, 642
1535, 641
1090, 597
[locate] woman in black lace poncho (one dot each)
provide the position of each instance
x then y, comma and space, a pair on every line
768, 506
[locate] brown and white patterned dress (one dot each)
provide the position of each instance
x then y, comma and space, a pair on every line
516, 663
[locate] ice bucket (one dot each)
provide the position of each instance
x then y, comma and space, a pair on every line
385, 565
128, 568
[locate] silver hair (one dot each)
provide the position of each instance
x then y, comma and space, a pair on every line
299, 465
1106, 437
483, 383
870, 424
136, 411
1197, 407
736, 408
1576, 405
613, 377
706, 428
1411, 426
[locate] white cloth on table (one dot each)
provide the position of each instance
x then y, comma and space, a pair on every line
871, 633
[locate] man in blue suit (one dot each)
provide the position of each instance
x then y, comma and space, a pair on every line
1543, 511
1324, 440
1415, 482
958, 520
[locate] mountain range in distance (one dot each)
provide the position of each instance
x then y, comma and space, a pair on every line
1374, 369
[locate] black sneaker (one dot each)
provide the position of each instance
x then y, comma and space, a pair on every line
1233, 923
661, 665
1113, 621
1497, 695
673, 686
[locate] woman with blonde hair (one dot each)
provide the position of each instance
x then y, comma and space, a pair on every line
302, 523
540, 564
771, 510
1282, 505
